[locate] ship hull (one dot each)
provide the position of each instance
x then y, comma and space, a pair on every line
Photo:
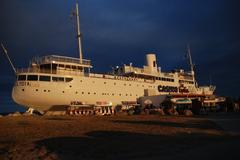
81, 90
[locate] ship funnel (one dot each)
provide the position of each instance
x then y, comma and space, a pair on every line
151, 62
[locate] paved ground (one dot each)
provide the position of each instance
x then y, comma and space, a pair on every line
230, 122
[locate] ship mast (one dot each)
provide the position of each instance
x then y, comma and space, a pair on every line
79, 34
6, 53
191, 63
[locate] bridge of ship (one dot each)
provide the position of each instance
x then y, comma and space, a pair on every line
52, 63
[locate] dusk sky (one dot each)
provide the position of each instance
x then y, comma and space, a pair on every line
123, 31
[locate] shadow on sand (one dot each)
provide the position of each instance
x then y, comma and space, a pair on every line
188, 124
124, 145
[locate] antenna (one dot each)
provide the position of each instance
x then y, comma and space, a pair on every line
79, 34
6, 53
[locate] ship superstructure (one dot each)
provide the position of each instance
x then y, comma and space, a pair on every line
58, 80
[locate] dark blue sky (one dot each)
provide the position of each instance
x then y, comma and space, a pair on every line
117, 32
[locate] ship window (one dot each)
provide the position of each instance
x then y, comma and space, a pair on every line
76, 92
32, 78
22, 89
114, 83
22, 77
94, 93
74, 67
61, 65
82, 92
67, 66
45, 78
58, 79
36, 90
105, 82
68, 79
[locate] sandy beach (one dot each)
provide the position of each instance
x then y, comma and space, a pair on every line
115, 137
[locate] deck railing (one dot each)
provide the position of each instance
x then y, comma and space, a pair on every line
62, 59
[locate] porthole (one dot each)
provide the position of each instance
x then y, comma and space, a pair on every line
63, 92
94, 93
114, 83
45, 90
36, 90
88, 92
70, 86
22, 89
48, 90
82, 92
76, 92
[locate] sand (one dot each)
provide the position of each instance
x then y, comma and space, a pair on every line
114, 137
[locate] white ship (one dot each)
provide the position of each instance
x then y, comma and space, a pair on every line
58, 80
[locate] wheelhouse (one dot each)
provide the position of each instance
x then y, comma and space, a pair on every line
53, 64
